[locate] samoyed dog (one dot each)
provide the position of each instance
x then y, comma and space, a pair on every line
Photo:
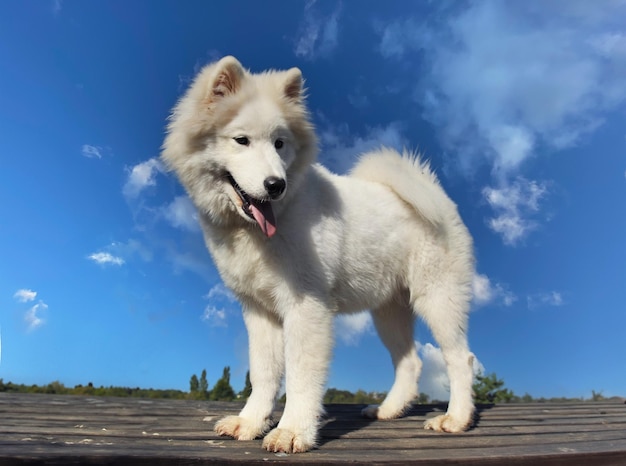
299, 245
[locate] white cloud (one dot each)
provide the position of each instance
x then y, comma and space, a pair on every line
318, 34
400, 37
116, 252
509, 81
506, 76
434, 379
33, 316
221, 302
485, 292
193, 259
552, 298
57, 6
214, 316
25, 295
142, 176
481, 289
132, 247
181, 213
340, 149
515, 206
611, 45
513, 144
91, 152
219, 291
349, 328
104, 258
359, 100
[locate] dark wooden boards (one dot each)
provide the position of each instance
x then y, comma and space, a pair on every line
50, 429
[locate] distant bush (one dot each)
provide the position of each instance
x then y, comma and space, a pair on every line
57, 388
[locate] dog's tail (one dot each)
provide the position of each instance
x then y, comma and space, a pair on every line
411, 179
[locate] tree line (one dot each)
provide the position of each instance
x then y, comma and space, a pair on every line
57, 388
487, 389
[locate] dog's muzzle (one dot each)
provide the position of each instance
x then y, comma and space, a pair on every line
260, 210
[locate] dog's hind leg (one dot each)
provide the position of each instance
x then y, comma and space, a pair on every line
446, 315
395, 324
265, 335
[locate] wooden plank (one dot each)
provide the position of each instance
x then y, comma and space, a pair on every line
45, 429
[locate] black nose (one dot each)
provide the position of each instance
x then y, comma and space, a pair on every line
274, 186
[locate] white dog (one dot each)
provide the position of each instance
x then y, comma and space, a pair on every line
298, 245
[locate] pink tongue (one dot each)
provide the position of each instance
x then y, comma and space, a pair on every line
264, 216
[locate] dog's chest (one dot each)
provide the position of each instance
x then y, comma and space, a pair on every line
245, 266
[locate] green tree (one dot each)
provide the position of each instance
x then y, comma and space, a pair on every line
204, 385
55, 388
222, 391
247, 389
597, 396
194, 385
490, 389
334, 395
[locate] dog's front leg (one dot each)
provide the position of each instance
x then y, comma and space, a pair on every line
265, 335
308, 343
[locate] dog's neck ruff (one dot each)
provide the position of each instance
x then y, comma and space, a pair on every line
259, 210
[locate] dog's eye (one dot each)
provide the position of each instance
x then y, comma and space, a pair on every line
278, 144
244, 141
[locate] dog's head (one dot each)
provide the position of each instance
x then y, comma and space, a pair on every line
238, 141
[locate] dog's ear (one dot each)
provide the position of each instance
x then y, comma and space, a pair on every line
227, 79
293, 84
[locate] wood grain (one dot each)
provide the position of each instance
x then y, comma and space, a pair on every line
50, 429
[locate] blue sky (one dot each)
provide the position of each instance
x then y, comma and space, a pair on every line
519, 105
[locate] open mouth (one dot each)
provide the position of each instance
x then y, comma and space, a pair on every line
258, 210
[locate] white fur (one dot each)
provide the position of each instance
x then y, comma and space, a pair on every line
385, 238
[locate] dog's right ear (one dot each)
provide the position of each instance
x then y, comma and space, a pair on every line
227, 78
293, 84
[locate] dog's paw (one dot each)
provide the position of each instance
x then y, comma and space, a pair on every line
447, 423
370, 411
240, 428
284, 440
381, 412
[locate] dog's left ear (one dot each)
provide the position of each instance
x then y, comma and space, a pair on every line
293, 84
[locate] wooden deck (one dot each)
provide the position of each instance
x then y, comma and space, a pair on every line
49, 429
